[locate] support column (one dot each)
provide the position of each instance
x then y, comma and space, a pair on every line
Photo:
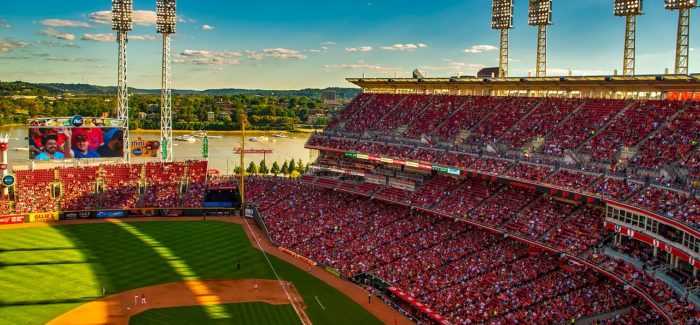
166, 112
541, 51
683, 41
122, 95
503, 55
630, 45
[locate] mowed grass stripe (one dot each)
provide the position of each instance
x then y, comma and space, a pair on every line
244, 313
110, 256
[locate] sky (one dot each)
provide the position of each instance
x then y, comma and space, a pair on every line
282, 44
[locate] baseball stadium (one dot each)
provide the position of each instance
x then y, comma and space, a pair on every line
459, 200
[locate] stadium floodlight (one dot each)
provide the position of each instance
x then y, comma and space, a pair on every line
680, 4
502, 14
683, 37
540, 15
629, 9
165, 24
502, 19
624, 8
540, 12
167, 17
122, 17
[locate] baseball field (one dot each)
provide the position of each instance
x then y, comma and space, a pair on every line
46, 272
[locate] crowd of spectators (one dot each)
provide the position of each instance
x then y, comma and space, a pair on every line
539, 217
542, 120
6, 205
573, 180
36, 191
630, 127
121, 186
78, 191
463, 273
163, 184
580, 232
682, 311
616, 188
658, 199
530, 172
583, 124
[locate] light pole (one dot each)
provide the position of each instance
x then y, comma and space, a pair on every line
502, 19
540, 15
122, 11
166, 21
683, 38
629, 9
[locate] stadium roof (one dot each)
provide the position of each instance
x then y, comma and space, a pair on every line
594, 85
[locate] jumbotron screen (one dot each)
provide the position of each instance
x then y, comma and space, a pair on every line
75, 138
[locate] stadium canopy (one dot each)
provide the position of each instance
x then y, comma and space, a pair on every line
640, 86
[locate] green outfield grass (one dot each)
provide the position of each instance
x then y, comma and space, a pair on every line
258, 313
47, 271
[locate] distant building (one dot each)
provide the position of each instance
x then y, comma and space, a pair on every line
211, 116
488, 73
329, 97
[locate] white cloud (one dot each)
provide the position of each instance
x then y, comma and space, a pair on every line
113, 37
141, 38
692, 49
4, 23
207, 27
54, 33
480, 49
328, 43
57, 44
201, 57
284, 54
7, 45
314, 51
64, 23
140, 17
362, 67
99, 37
78, 60
359, 49
404, 47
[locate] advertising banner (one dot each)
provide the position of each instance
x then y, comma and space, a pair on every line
78, 215
144, 148
14, 218
111, 214
43, 216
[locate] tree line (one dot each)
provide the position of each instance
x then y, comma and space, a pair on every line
190, 112
288, 169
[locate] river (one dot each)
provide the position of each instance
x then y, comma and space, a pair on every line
221, 155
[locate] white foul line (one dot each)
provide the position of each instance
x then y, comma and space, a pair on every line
319, 302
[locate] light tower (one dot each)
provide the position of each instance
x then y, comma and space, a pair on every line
502, 19
122, 23
683, 41
540, 15
167, 19
4, 140
629, 9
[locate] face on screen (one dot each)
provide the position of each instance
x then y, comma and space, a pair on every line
51, 146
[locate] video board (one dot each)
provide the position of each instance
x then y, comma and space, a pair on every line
75, 138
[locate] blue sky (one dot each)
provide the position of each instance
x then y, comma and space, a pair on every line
312, 43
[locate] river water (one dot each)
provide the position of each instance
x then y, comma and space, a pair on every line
221, 155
